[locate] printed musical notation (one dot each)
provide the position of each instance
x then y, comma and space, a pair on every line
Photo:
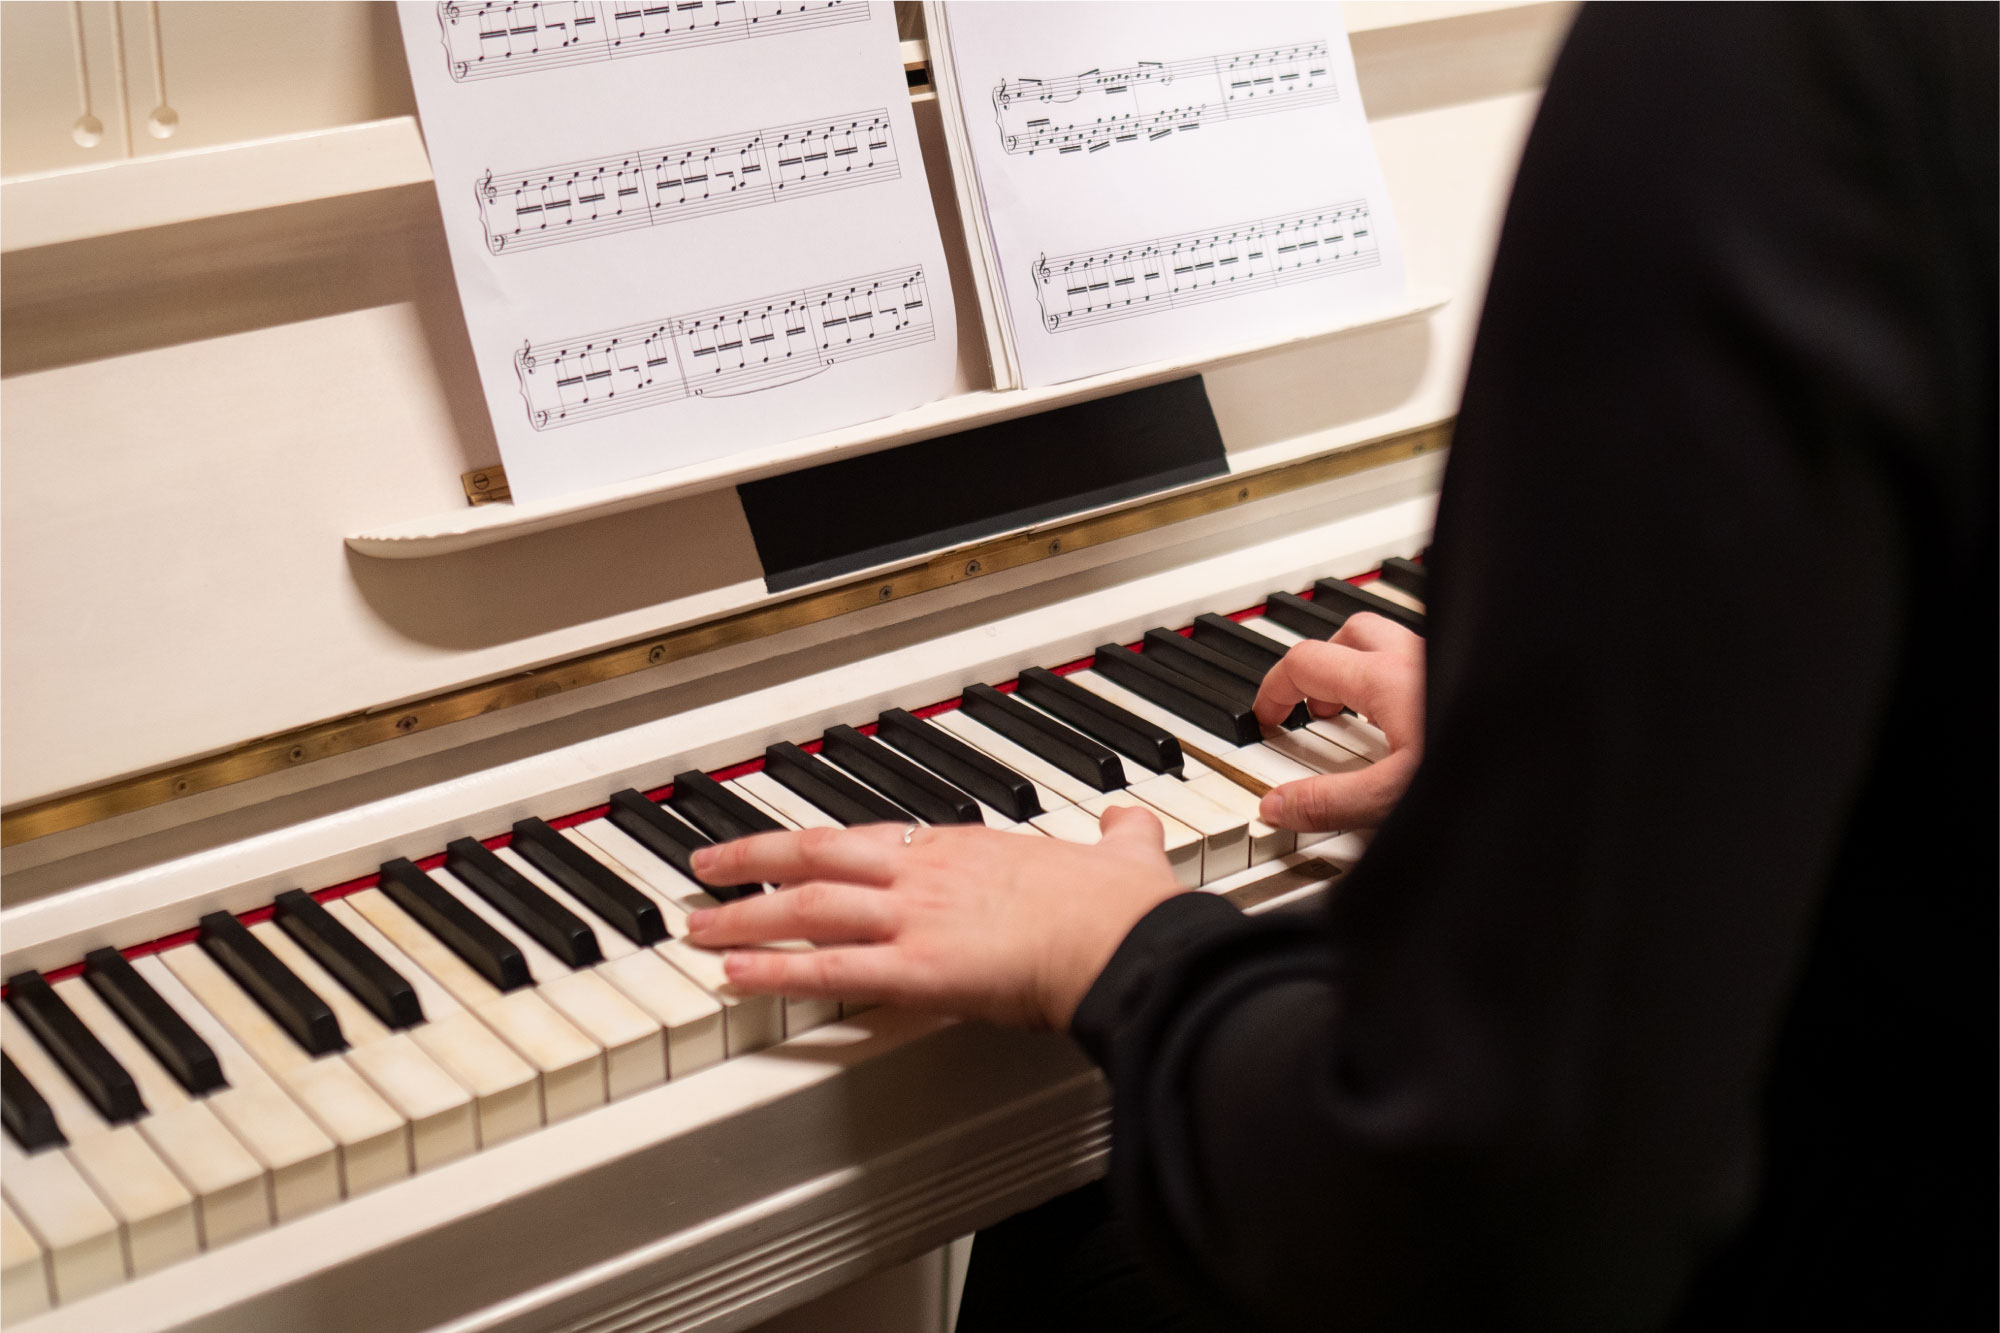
1089, 112
738, 349
1079, 290
525, 210
484, 41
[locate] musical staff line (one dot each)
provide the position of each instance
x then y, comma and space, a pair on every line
742, 348
1152, 100
490, 40
526, 210
1097, 286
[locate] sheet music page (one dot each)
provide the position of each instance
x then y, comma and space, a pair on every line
680, 229
1170, 179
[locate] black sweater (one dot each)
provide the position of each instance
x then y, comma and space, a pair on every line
1668, 992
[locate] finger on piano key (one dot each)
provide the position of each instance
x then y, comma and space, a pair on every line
165, 1033
1071, 751
101, 1078
1308, 620
155, 1212
389, 997
749, 1022
1339, 594
1223, 674
1182, 844
831, 790
924, 794
24, 1270
965, 767
488, 952
303, 1162
783, 803
1407, 577
1137, 739
372, 1139
668, 837
1053, 787
1257, 651
718, 812
28, 1117
1184, 698
78, 1235
635, 1049
442, 1127
1225, 836
505, 1089
1267, 843
690, 1017
613, 901
538, 917
1266, 763
301, 1013
232, 1191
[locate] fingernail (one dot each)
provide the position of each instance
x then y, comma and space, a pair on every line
1272, 808
698, 920
703, 858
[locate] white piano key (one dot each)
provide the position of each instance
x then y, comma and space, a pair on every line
155, 1212
304, 1164
24, 1270
781, 802
690, 1016
1272, 630
78, 1235
439, 1112
635, 1049
505, 1091
1054, 787
1225, 836
231, 1189
570, 1066
1389, 592
1183, 844
374, 1141
1265, 763
1314, 751
1069, 823
750, 1022
1266, 843
1362, 737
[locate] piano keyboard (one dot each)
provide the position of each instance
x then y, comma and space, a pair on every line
258, 1068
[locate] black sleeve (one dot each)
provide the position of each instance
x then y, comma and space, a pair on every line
1713, 558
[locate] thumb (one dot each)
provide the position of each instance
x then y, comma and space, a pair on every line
1131, 829
1327, 803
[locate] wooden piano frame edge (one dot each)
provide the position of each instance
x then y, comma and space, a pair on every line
343, 735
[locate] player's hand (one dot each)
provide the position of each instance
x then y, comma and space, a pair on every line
966, 920
1375, 667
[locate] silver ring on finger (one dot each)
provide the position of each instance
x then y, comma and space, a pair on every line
910, 834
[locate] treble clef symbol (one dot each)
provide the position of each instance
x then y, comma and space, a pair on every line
486, 187
525, 358
451, 12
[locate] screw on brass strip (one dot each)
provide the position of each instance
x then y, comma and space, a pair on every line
344, 735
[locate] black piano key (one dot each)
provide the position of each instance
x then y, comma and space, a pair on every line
979, 775
1406, 576
1075, 754
1340, 593
553, 926
716, 810
670, 838
298, 1010
158, 1024
1102, 720
75, 1047
1187, 699
1247, 646
1220, 672
924, 794
828, 789
388, 995
30, 1121
462, 930
596, 885
1299, 616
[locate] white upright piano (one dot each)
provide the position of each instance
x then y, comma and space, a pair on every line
258, 640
